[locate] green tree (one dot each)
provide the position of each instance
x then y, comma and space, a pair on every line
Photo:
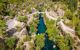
22, 18
62, 43
32, 28
10, 42
75, 21
53, 34
78, 30
26, 38
2, 27
12, 1
39, 42
72, 4
68, 14
52, 30
2, 45
3, 7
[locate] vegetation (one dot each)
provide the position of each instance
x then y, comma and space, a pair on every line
68, 14
72, 4
78, 31
26, 38
10, 42
63, 42
2, 27
39, 42
33, 26
19, 9
2, 44
22, 18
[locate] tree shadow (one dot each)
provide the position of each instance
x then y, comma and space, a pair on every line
49, 45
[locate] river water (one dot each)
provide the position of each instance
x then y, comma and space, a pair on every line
49, 45
41, 25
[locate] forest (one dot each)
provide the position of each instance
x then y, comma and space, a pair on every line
39, 24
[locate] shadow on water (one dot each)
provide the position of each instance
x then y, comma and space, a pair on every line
49, 45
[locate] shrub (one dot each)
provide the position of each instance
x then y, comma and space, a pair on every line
22, 18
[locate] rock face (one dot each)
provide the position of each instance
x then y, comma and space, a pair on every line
12, 28
54, 15
27, 46
66, 28
12, 23
60, 12
11, 31
21, 33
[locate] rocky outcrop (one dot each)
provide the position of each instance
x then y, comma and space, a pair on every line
66, 28
54, 15
21, 33
12, 23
